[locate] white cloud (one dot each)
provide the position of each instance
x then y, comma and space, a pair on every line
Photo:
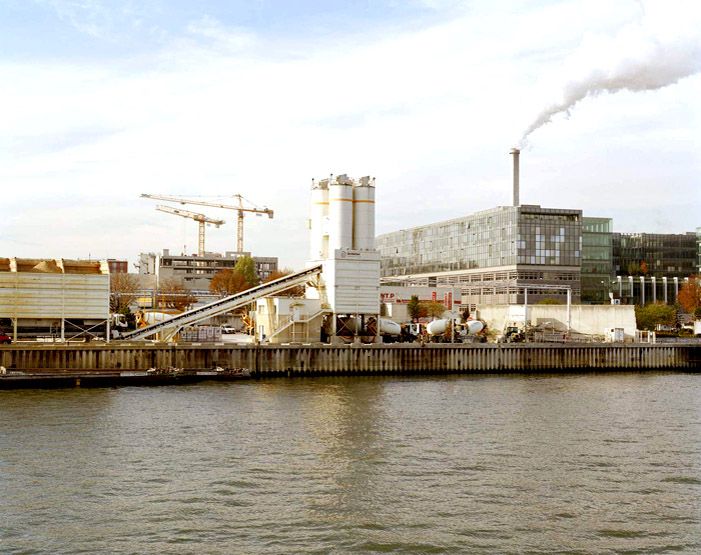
430, 113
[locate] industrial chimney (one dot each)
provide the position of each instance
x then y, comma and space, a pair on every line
516, 153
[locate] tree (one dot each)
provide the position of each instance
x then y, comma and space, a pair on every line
413, 307
247, 268
123, 291
649, 316
173, 294
633, 269
690, 294
241, 277
295, 291
227, 282
434, 309
277, 274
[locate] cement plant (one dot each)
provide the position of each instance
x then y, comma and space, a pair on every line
540, 277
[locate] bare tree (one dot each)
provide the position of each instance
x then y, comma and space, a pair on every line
173, 294
123, 291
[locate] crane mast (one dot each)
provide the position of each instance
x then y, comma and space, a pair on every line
239, 208
201, 219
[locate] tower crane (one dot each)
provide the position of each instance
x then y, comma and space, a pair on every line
240, 209
199, 218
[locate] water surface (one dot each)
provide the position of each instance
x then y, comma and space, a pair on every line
587, 463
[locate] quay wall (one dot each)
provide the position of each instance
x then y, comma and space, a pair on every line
271, 360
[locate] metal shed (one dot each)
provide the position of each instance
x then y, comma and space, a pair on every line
51, 293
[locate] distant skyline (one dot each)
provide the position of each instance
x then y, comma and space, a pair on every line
101, 101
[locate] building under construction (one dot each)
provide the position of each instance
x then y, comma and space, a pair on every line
196, 272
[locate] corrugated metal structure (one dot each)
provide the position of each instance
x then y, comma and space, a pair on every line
48, 293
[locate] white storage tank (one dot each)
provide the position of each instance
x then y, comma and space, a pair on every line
473, 327
389, 327
364, 214
437, 327
340, 213
318, 232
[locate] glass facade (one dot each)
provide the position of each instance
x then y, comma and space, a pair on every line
655, 254
492, 255
597, 257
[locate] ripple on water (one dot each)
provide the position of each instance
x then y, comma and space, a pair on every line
566, 464
686, 480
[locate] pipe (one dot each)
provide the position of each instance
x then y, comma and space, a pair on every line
516, 154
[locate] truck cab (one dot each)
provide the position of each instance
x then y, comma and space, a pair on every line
4, 338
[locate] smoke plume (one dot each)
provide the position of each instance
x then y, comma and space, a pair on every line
659, 50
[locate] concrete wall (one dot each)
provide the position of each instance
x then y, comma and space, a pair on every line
585, 319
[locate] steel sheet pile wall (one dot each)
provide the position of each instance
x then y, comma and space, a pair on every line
271, 360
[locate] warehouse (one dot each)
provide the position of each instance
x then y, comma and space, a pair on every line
54, 298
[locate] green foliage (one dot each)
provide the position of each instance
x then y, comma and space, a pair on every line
413, 308
247, 268
647, 317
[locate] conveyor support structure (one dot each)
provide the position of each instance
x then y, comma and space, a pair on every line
168, 328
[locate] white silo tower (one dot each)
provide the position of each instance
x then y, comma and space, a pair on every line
318, 221
364, 214
340, 213
342, 238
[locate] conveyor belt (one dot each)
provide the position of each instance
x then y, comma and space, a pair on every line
227, 304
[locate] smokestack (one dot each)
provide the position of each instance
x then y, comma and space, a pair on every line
516, 153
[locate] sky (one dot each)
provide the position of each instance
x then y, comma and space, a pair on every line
101, 101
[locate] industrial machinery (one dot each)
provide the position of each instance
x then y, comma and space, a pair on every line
440, 330
201, 219
239, 209
342, 240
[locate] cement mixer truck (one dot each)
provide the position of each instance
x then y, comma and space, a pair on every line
463, 332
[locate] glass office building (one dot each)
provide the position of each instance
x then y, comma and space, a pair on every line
597, 259
655, 254
493, 256
651, 267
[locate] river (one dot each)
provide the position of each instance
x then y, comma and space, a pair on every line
585, 463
